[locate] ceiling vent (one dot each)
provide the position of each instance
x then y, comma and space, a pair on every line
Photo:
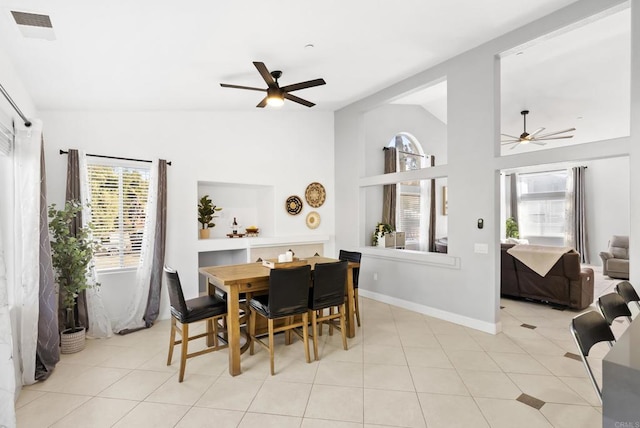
34, 26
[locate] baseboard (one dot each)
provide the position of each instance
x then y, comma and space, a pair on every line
487, 327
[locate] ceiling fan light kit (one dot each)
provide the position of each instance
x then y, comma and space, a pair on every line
535, 137
276, 94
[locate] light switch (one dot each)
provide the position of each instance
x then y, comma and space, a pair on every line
481, 248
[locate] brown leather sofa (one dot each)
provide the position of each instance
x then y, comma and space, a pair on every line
566, 284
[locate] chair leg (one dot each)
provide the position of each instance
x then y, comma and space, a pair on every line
357, 305
172, 340
252, 330
271, 347
185, 346
314, 327
305, 335
343, 324
330, 322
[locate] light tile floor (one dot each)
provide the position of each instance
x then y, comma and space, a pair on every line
403, 369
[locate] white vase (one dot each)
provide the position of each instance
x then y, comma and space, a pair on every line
380, 240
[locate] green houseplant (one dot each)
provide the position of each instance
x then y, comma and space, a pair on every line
206, 214
381, 230
71, 257
512, 228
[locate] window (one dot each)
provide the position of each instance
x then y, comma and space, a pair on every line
118, 207
542, 204
410, 193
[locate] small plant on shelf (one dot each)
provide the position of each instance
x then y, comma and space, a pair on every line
206, 214
381, 230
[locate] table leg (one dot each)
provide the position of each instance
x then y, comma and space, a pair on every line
351, 329
233, 329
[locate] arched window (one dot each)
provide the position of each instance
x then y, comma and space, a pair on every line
411, 206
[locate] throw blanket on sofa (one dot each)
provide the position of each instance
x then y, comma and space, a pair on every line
539, 258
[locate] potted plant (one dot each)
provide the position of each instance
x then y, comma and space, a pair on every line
381, 230
512, 228
206, 213
71, 257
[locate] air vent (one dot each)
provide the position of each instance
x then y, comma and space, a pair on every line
32, 19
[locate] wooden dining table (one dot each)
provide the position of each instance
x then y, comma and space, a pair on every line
251, 278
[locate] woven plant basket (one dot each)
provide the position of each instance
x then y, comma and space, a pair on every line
71, 343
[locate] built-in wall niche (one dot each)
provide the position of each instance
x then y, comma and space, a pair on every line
219, 258
577, 77
250, 204
413, 213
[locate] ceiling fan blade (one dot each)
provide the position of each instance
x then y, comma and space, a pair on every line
536, 132
538, 143
557, 132
511, 136
262, 103
514, 146
553, 138
298, 100
504, 143
264, 72
225, 85
303, 85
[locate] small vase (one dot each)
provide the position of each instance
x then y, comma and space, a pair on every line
204, 233
381, 240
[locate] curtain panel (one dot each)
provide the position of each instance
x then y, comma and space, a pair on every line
577, 216
390, 190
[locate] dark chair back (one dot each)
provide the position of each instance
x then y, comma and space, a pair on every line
627, 292
590, 328
328, 285
352, 256
289, 291
176, 297
613, 306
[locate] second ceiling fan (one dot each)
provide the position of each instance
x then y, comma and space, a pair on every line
275, 93
535, 137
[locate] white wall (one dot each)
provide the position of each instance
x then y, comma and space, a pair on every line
607, 200
286, 150
462, 286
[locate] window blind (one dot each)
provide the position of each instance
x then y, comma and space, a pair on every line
410, 216
118, 211
6, 139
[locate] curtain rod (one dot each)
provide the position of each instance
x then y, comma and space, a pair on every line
406, 153
62, 152
27, 122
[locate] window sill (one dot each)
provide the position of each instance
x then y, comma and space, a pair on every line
411, 256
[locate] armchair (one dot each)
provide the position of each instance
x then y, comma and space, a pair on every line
615, 262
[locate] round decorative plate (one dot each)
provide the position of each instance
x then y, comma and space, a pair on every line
315, 194
293, 205
313, 220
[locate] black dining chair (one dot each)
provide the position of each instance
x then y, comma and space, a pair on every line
288, 296
328, 293
353, 256
628, 293
588, 329
209, 309
612, 306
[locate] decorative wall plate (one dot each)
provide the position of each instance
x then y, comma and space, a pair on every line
315, 194
313, 220
293, 205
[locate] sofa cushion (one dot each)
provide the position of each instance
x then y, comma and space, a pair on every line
620, 253
618, 265
619, 246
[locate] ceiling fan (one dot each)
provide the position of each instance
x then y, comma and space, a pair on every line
535, 137
276, 94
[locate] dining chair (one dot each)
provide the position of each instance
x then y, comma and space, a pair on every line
209, 309
628, 293
353, 256
328, 292
587, 329
612, 306
288, 296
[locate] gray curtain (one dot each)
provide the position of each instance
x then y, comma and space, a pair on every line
153, 302
73, 193
579, 218
513, 196
48, 347
389, 192
432, 212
